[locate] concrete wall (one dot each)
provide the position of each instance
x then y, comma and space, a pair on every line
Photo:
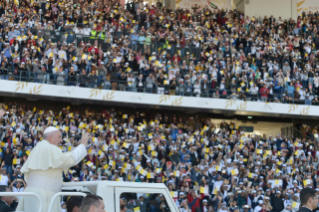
241, 5
260, 128
284, 8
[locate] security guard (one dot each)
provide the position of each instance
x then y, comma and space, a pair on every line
93, 33
308, 199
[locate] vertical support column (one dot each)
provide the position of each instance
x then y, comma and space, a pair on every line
170, 3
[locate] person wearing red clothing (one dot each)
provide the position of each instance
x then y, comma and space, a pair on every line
184, 16
33, 41
193, 200
94, 49
91, 157
176, 58
12, 40
264, 92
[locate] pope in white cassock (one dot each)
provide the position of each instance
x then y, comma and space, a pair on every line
43, 169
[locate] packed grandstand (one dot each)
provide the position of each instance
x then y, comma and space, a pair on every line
152, 48
200, 52
187, 154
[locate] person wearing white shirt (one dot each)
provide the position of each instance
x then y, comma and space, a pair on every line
62, 54
4, 180
259, 206
18, 187
87, 30
18, 129
222, 206
184, 207
138, 161
286, 200
78, 30
49, 170
302, 93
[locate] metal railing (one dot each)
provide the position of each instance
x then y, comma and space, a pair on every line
105, 41
298, 134
287, 131
9, 194
293, 131
101, 82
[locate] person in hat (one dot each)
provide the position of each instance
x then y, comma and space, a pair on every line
259, 206
43, 169
16, 186
184, 206
5, 180
276, 201
142, 202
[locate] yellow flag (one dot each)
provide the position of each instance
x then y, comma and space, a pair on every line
202, 190
137, 209
149, 175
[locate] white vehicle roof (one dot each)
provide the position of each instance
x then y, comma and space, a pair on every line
94, 185
111, 191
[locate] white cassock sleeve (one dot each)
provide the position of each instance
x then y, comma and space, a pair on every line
45, 156
78, 153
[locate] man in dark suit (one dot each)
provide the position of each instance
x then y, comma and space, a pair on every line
276, 201
204, 88
308, 199
73, 204
147, 23
130, 6
272, 20
8, 203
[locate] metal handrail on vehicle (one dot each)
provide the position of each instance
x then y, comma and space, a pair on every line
64, 194
6, 194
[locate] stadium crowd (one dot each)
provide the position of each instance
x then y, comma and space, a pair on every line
206, 166
208, 52
151, 48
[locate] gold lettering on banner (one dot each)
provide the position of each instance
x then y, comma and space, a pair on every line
222, 4
315, 8
299, 4
307, 5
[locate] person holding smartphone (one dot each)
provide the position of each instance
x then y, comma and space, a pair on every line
184, 207
18, 186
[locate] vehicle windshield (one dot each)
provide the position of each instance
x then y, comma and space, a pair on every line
144, 202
